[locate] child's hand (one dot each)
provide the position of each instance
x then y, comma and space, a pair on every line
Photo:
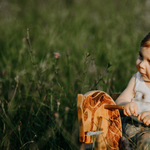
145, 117
131, 109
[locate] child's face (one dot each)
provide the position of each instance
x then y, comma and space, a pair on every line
143, 63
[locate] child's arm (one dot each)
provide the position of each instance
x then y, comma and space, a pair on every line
126, 99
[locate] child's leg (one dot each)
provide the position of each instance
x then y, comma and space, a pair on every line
143, 142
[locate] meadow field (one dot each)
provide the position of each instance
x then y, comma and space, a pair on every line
52, 50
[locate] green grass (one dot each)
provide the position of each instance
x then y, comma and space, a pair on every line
36, 89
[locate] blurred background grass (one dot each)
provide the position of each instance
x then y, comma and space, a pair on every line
98, 43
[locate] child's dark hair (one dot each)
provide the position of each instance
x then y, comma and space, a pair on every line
146, 41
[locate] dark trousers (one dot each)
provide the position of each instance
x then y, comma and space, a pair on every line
138, 134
